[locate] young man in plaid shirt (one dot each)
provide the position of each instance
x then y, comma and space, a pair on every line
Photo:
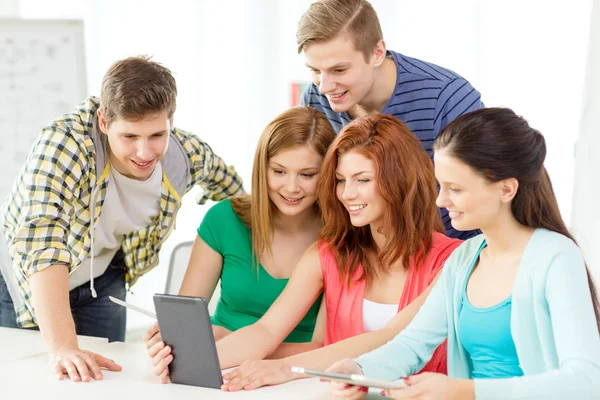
96, 199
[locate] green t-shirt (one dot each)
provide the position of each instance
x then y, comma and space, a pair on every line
246, 294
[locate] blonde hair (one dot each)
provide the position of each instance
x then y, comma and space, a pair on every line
297, 126
326, 19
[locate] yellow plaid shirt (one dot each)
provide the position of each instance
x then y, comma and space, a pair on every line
47, 216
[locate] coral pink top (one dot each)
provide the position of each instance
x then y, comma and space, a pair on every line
345, 305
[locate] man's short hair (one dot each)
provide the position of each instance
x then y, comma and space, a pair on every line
326, 19
135, 88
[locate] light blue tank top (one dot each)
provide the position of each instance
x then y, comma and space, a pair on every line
485, 334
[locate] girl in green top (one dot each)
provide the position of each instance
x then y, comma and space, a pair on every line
252, 243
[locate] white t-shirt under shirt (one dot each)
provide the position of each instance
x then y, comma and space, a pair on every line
377, 315
129, 206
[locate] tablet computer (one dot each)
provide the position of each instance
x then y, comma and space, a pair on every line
185, 326
352, 379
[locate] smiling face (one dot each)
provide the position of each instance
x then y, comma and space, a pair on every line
340, 71
357, 189
472, 201
292, 179
136, 146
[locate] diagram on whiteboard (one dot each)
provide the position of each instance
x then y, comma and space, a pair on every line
42, 76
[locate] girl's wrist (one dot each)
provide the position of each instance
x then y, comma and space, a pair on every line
463, 389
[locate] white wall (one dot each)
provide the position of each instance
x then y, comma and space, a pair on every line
586, 218
234, 61
9, 8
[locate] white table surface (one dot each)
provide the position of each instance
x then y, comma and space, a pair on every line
16, 344
24, 374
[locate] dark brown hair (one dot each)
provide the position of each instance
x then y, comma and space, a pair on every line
406, 182
499, 144
135, 88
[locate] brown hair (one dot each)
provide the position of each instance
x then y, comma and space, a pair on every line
297, 126
136, 87
326, 19
499, 145
405, 180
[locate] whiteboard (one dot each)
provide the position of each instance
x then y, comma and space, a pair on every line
42, 76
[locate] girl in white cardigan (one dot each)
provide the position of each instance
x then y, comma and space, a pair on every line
517, 304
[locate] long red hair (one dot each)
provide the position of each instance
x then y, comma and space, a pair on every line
405, 180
